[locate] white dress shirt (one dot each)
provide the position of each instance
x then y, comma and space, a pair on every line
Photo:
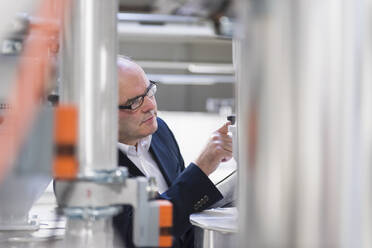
142, 158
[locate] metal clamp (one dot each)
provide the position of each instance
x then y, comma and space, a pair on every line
115, 176
91, 213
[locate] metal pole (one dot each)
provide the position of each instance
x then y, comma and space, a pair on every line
304, 127
89, 79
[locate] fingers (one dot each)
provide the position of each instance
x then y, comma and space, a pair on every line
218, 149
214, 153
222, 140
225, 138
222, 148
225, 128
227, 150
224, 143
227, 147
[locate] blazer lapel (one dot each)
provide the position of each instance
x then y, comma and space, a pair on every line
161, 156
123, 160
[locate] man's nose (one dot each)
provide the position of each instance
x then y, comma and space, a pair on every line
149, 103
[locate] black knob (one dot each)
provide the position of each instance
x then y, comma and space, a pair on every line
54, 99
231, 118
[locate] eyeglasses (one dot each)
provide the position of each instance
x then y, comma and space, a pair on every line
137, 101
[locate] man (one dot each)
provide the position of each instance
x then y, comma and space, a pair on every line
147, 147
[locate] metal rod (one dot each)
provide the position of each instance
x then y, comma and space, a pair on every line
303, 94
89, 79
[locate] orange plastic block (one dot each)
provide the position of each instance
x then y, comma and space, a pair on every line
165, 223
65, 167
66, 125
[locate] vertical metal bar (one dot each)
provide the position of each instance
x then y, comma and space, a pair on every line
366, 124
304, 128
265, 123
89, 79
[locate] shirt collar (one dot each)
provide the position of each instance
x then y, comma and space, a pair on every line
142, 146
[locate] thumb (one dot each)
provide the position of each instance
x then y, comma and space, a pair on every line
225, 128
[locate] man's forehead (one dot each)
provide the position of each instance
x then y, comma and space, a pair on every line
136, 82
129, 89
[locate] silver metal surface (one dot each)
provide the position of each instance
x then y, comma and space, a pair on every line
95, 194
152, 188
205, 238
215, 228
90, 227
304, 123
191, 79
202, 68
114, 176
30, 175
8, 65
11, 47
9, 11
89, 79
159, 19
89, 213
89, 233
90, 200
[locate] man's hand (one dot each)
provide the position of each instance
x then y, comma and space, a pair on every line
217, 150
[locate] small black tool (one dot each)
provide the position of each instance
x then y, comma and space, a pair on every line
231, 118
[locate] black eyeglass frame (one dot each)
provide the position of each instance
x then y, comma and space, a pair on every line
129, 106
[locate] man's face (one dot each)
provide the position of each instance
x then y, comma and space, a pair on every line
139, 123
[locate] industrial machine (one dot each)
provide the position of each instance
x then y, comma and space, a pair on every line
303, 101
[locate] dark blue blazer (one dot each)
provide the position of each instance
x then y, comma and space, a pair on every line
190, 190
